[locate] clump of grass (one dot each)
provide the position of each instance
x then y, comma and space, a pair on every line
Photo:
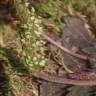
30, 35
51, 11
32, 44
21, 10
14, 69
30, 50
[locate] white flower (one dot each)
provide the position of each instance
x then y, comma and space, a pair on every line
28, 36
25, 26
42, 57
29, 58
23, 41
36, 21
32, 18
34, 58
31, 64
42, 42
42, 63
34, 45
33, 10
37, 33
27, 4
36, 63
40, 29
28, 33
37, 43
41, 49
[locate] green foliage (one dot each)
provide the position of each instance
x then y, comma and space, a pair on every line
22, 11
30, 36
23, 50
52, 12
32, 43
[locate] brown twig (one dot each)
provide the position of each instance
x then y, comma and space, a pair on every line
63, 80
84, 57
